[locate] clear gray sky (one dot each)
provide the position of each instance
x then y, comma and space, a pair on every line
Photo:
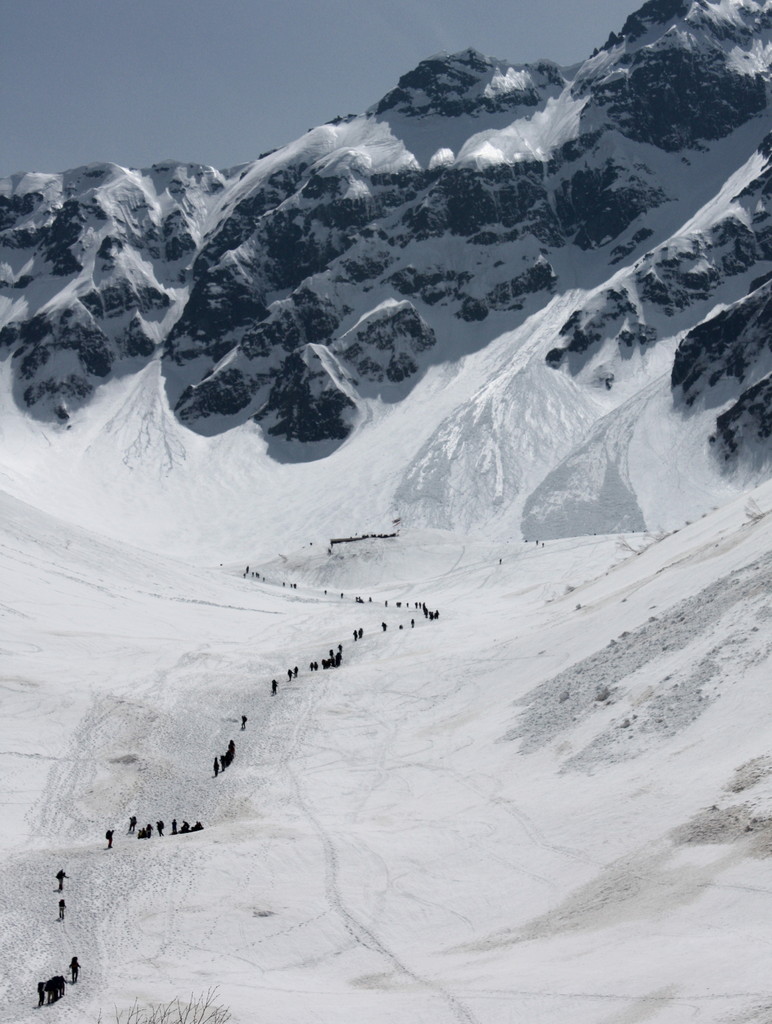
220, 81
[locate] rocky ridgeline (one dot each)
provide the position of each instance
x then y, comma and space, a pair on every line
342, 266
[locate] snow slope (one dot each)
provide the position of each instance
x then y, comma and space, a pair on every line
478, 445
554, 801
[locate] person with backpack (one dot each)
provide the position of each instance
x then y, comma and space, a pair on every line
61, 877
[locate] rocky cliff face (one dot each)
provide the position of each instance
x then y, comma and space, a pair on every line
337, 270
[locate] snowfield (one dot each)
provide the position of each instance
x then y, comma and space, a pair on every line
553, 802
530, 386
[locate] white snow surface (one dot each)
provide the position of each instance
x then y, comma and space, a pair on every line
554, 802
513, 80
529, 138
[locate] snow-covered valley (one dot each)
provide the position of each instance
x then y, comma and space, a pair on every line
472, 389
555, 799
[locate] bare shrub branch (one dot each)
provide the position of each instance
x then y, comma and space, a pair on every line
201, 1009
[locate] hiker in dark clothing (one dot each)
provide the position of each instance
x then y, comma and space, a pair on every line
289, 673
62, 908
51, 987
160, 826
148, 831
383, 626
223, 763
361, 633
109, 838
274, 687
356, 635
243, 722
61, 877
41, 993
132, 823
412, 623
74, 968
216, 767
184, 828
295, 672
174, 826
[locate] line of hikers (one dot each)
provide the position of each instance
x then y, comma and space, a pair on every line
335, 657
222, 762
333, 661
147, 831
53, 989
431, 615
256, 575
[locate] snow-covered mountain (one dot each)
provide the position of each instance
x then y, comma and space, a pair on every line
507, 304
580, 255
